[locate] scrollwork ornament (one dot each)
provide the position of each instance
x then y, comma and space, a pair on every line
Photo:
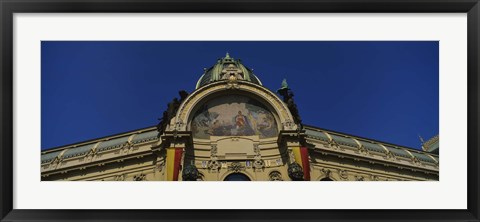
213, 165
236, 167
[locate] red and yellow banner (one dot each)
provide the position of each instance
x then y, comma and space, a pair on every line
301, 157
174, 158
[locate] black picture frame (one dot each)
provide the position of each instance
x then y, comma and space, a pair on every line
9, 7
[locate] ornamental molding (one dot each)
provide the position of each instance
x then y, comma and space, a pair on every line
179, 123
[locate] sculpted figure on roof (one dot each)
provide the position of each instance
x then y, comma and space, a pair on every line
171, 111
288, 99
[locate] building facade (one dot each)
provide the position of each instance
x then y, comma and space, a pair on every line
231, 128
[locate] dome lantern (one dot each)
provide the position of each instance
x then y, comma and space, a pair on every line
224, 68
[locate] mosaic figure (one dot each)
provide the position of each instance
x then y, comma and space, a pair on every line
233, 115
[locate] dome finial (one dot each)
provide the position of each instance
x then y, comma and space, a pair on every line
227, 56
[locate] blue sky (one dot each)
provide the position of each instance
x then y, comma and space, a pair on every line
387, 91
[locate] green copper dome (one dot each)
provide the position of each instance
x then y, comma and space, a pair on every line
224, 68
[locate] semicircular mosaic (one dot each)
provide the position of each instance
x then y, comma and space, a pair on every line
233, 115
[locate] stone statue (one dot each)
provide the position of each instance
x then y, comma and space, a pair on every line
171, 111
295, 171
162, 125
183, 95
293, 109
190, 173
288, 100
172, 107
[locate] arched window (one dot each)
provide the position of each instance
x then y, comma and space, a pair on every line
237, 177
326, 179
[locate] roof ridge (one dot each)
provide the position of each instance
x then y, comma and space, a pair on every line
364, 138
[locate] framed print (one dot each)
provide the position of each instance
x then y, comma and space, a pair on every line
117, 110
